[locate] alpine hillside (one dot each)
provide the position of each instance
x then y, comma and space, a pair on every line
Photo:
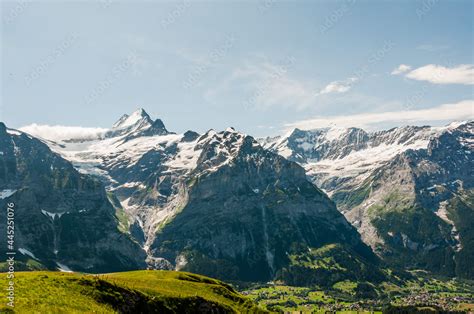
63, 219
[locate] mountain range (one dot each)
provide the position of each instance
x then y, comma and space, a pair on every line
309, 207
408, 190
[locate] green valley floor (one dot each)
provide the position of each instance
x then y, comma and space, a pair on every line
419, 293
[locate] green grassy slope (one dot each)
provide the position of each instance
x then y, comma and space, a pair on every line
127, 292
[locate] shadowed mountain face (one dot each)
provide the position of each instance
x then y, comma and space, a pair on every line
247, 218
63, 219
219, 204
409, 191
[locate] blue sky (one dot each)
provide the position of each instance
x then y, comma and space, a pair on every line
260, 66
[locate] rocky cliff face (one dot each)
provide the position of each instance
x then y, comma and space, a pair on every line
247, 212
219, 204
63, 219
404, 189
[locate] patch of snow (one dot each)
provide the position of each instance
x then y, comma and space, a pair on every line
52, 215
453, 125
133, 185
360, 163
335, 133
120, 121
129, 120
6, 193
90, 157
27, 252
186, 158
63, 268
13, 132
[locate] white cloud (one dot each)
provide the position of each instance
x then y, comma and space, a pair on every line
437, 74
463, 110
402, 68
338, 86
58, 132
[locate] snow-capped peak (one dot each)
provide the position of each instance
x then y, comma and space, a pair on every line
353, 153
138, 120
138, 123
336, 143
120, 121
135, 117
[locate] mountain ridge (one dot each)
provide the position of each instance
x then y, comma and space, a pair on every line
394, 173
166, 181
57, 209
152, 172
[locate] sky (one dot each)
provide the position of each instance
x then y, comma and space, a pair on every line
260, 66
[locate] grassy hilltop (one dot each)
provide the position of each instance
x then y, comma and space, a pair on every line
126, 292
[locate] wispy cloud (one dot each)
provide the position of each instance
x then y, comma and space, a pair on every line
60, 132
463, 110
266, 84
211, 60
338, 86
438, 74
402, 68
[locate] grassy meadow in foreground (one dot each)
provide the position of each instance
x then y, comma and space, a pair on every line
127, 292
